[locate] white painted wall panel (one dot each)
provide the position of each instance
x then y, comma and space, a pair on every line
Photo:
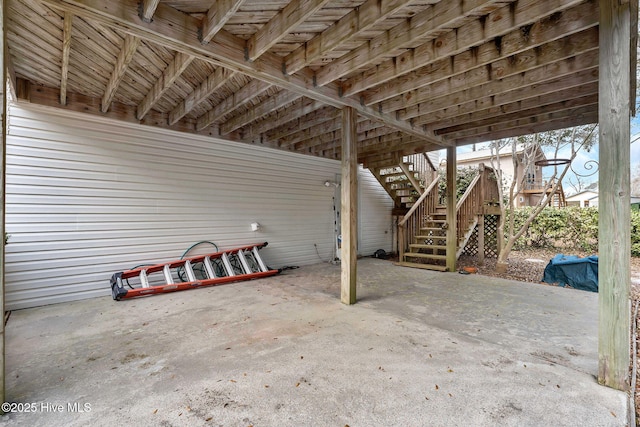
374, 229
88, 196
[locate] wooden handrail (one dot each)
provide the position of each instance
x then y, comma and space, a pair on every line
424, 195
468, 191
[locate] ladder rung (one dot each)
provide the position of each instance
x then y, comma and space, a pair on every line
262, 265
243, 261
167, 274
209, 268
227, 265
144, 280
190, 274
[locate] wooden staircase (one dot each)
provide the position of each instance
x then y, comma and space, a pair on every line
405, 179
424, 234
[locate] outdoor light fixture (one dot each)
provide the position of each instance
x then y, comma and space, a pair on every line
330, 183
255, 226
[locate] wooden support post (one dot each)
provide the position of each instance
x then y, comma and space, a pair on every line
452, 217
3, 163
349, 205
614, 201
481, 239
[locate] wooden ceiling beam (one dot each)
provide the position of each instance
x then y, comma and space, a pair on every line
571, 97
239, 98
272, 103
285, 21
298, 109
516, 53
325, 138
315, 118
178, 31
547, 125
311, 132
365, 134
66, 49
217, 17
176, 67
474, 33
400, 147
505, 76
497, 120
355, 22
147, 9
522, 122
216, 80
426, 25
122, 62
305, 138
577, 69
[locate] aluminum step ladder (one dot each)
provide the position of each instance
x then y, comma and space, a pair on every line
233, 265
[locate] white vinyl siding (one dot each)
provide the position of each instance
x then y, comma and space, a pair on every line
374, 230
89, 196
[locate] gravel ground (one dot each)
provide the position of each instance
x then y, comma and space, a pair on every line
528, 266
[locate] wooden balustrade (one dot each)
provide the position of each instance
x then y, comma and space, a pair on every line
410, 225
482, 191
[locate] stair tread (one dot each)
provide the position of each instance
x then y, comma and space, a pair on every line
421, 255
387, 175
432, 229
430, 237
424, 266
424, 246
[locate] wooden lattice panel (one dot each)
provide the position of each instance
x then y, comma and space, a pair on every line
490, 238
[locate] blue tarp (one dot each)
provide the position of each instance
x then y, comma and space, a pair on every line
579, 273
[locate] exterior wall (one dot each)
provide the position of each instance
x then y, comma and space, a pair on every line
583, 199
87, 197
375, 231
509, 174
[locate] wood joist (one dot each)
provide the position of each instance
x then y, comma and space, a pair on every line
435, 74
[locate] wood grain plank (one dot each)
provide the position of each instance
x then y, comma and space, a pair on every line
516, 53
170, 74
293, 14
614, 240
425, 25
298, 109
577, 70
124, 58
498, 23
178, 31
238, 99
349, 206
355, 22
217, 16
213, 82
273, 103
66, 48
147, 9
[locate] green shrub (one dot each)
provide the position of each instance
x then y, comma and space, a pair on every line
569, 228
635, 233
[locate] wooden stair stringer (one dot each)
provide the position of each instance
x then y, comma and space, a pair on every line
466, 237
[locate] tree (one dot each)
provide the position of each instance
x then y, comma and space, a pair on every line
575, 139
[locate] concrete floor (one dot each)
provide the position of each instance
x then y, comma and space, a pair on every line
420, 348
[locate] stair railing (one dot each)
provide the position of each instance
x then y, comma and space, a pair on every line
411, 223
482, 189
423, 166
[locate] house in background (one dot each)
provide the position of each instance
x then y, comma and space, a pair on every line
530, 182
583, 199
